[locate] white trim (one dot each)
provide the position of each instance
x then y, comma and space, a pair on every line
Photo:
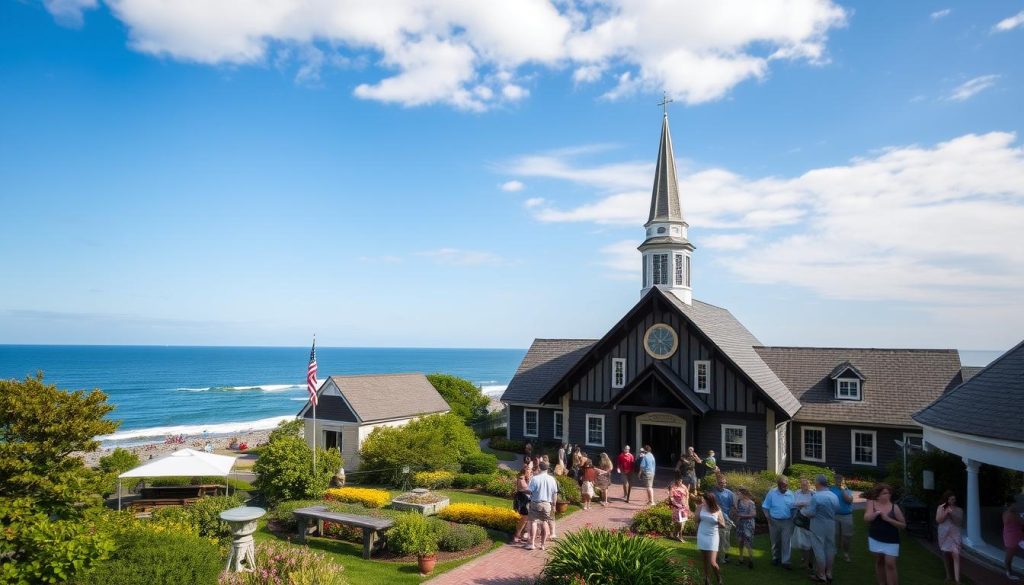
554, 424
536, 413
724, 455
874, 447
615, 363
660, 419
918, 435
855, 381
803, 441
999, 452
586, 430
707, 376
534, 406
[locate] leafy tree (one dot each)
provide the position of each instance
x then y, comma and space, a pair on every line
119, 461
465, 399
440, 442
285, 467
291, 428
40, 428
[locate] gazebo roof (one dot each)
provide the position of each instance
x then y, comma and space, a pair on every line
184, 462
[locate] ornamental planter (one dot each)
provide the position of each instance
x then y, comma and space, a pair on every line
426, 563
561, 507
420, 500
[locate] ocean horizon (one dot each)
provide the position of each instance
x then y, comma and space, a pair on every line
161, 390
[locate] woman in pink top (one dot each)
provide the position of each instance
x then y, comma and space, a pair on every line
1013, 533
679, 502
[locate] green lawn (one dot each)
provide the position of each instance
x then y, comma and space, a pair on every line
916, 565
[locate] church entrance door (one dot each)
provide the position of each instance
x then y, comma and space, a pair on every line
665, 433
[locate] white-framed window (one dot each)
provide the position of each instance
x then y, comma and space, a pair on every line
332, 440
848, 389
659, 268
687, 271
702, 376
679, 269
531, 422
645, 271
595, 430
618, 372
558, 424
863, 446
813, 444
734, 443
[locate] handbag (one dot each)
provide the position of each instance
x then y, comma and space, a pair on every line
801, 521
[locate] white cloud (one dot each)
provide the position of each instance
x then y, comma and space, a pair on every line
533, 202
69, 12
941, 13
1010, 23
457, 257
622, 260
512, 186
469, 54
972, 87
935, 225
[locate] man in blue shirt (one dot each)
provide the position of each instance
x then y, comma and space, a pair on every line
778, 509
726, 500
646, 476
844, 515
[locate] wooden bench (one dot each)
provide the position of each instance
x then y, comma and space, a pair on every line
370, 525
147, 505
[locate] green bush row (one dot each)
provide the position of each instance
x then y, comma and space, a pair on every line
145, 557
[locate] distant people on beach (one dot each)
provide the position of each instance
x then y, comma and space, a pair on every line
884, 519
1013, 533
949, 520
624, 468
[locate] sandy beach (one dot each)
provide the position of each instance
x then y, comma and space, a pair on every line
220, 444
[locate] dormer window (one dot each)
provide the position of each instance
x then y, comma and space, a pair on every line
848, 389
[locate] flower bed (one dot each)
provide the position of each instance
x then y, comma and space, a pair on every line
433, 480
503, 519
370, 498
421, 501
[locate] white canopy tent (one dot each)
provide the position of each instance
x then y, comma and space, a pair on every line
183, 462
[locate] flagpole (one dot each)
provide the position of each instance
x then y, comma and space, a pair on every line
316, 431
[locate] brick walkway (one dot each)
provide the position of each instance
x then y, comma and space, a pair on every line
514, 565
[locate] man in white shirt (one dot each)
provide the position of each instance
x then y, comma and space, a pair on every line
543, 495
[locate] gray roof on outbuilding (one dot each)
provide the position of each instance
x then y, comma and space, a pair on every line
545, 363
380, 397
968, 372
898, 382
990, 404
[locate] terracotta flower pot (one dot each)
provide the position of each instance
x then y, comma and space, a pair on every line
427, 563
561, 507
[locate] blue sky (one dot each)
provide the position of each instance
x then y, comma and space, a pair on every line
440, 174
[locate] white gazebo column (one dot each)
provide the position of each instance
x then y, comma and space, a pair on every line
973, 538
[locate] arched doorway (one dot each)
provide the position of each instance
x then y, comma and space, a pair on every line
665, 433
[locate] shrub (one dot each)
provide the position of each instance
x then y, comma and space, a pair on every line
568, 490
480, 463
653, 520
463, 397
440, 442
503, 486
204, 515
282, 514
471, 480
503, 519
412, 534
803, 470
503, 444
456, 537
433, 480
147, 557
296, 565
119, 461
859, 484
284, 468
600, 557
368, 497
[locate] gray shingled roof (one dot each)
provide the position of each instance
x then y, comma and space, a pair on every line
377, 397
545, 363
665, 195
990, 404
843, 368
968, 372
738, 343
899, 382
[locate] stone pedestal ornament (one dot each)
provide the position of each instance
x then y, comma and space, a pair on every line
243, 523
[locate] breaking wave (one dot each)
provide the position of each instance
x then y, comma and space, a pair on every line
212, 429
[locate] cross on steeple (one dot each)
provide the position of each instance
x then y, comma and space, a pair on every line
665, 101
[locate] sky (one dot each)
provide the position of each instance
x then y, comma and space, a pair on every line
468, 174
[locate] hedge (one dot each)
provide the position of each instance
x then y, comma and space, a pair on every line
144, 557
467, 481
371, 498
503, 486
503, 519
433, 480
480, 463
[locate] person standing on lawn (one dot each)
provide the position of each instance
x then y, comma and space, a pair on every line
726, 500
884, 520
647, 466
711, 522
822, 512
778, 510
802, 536
679, 503
844, 515
625, 470
746, 515
949, 518
543, 497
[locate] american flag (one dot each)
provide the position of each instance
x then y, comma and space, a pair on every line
311, 382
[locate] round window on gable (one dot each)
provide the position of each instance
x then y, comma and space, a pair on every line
661, 230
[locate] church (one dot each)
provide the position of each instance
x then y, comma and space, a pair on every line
676, 372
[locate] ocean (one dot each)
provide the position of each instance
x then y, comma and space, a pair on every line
159, 391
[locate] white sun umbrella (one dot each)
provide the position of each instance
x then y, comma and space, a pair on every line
183, 462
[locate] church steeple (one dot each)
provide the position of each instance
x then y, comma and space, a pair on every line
666, 251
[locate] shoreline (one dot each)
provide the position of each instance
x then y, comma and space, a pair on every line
149, 451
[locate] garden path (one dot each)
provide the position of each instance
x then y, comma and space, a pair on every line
514, 565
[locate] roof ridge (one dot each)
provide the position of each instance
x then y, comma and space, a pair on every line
915, 349
377, 375
976, 376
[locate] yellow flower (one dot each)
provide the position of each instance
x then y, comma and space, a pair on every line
370, 498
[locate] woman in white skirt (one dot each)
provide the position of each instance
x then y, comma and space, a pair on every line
884, 519
711, 521
802, 538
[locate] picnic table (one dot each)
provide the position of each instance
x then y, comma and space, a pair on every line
371, 526
150, 504
181, 491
